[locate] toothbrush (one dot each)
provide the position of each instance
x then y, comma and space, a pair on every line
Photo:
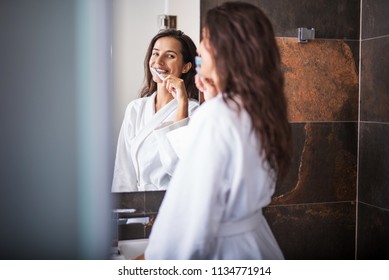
198, 64
156, 73
198, 68
159, 75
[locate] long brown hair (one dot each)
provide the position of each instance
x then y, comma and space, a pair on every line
188, 51
248, 64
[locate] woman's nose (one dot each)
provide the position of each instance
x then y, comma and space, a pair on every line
159, 60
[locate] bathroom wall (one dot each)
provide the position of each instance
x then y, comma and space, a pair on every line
373, 183
313, 213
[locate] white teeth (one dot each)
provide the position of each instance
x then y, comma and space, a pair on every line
161, 71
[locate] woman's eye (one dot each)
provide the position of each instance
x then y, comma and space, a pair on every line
154, 54
170, 56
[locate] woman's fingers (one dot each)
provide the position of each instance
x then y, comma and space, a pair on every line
199, 83
175, 86
207, 86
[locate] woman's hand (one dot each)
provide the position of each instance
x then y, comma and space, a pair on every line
206, 86
176, 87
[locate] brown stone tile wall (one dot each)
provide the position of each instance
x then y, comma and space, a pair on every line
322, 93
321, 80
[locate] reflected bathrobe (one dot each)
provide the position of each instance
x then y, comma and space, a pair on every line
145, 159
213, 206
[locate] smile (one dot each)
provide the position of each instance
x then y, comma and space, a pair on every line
160, 71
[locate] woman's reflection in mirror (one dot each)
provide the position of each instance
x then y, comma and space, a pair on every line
145, 160
239, 141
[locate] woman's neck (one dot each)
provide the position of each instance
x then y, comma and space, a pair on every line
162, 98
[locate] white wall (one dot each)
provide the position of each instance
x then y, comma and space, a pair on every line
134, 24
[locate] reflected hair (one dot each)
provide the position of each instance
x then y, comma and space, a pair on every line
188, 51
248, 63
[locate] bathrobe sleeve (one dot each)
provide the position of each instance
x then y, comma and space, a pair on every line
124, 177
167, 152
189, 217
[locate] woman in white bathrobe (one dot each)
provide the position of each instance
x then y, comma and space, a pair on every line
145, 159
239, 144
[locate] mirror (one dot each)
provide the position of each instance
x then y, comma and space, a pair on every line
134, 24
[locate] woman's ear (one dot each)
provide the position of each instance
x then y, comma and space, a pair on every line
186, 67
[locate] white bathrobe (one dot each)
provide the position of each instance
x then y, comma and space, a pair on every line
145, 159
213, 205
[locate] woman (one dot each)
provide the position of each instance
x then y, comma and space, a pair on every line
240, 143
144, 159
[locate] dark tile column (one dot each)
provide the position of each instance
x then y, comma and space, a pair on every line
373, 184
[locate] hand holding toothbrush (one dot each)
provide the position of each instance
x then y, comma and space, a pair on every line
176, 87
203, 84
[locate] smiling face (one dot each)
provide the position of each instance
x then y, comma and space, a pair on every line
167, 59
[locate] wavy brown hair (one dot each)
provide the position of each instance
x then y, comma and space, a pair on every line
248, 64
188, 51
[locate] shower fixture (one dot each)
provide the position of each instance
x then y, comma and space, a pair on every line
167, 21
304, 34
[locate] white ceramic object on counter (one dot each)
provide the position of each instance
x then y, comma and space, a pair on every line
132, 248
